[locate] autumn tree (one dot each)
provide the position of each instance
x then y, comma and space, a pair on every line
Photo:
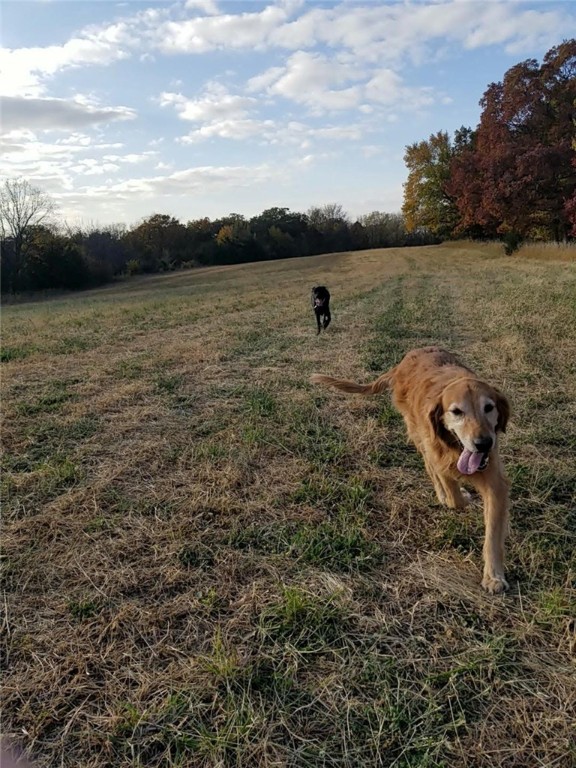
570, 207
235, 241
200, 231
427, 202
519, 175
466, 188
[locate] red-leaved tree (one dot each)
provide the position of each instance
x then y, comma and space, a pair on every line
518, 174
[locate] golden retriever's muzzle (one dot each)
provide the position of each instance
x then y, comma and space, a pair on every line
470, 462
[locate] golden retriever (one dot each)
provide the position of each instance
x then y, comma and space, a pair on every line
453, 418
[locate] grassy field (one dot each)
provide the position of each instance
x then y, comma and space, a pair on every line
207, 561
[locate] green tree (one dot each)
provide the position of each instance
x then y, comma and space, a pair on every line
427, 202
53, 261
333, 224
382, 230
235, 242
158, 242
280, 232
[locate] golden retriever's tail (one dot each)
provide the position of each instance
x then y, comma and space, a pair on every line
375, 388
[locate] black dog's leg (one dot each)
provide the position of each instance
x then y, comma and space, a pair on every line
318, 320
327, 318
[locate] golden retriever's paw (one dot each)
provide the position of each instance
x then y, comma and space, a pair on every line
441, 496
467, 496
458, 500
494, 585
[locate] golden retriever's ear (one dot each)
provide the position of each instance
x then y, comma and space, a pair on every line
503, 408
440, 430
438, 424
436, 418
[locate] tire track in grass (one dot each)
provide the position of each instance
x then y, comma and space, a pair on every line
420, 310
418, 313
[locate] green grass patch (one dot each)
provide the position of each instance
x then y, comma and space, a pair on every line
168, 384
83, 609
349, 498
337, 546
316, 438
260, 403
460, 530
51, 399
196, 556
20, 352
309, 622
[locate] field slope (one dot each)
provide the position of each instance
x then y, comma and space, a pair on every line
207, 561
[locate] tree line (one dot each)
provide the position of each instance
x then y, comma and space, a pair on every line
38, 253
514, 175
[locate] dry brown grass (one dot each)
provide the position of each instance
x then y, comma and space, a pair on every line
208, 562
540, 251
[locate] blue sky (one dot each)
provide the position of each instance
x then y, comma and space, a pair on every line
202, 108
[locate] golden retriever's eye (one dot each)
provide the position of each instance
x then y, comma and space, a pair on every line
456, 412
488, 407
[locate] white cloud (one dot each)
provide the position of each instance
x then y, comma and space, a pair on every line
216, 103
273, 132
238, 30
264, 80
387, 88
391, 32
384, 86
57, 165
238, 130
131, 198
185, 182
313, 79
93, 167
56, 114
517, 31
395, 32
130, 157
23, 71
376, 33
310, 78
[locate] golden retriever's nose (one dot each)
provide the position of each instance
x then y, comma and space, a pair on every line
483, 444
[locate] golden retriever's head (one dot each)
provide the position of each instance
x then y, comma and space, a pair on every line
470, 412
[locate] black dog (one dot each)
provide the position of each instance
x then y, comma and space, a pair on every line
321, 305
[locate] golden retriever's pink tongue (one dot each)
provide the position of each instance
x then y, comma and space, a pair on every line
469, 462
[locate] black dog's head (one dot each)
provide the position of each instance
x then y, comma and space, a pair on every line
320, 296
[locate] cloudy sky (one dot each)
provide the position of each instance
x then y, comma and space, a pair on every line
202, 108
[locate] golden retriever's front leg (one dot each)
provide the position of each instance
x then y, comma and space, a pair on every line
436, 479
447, 490
456, 497
493, 487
